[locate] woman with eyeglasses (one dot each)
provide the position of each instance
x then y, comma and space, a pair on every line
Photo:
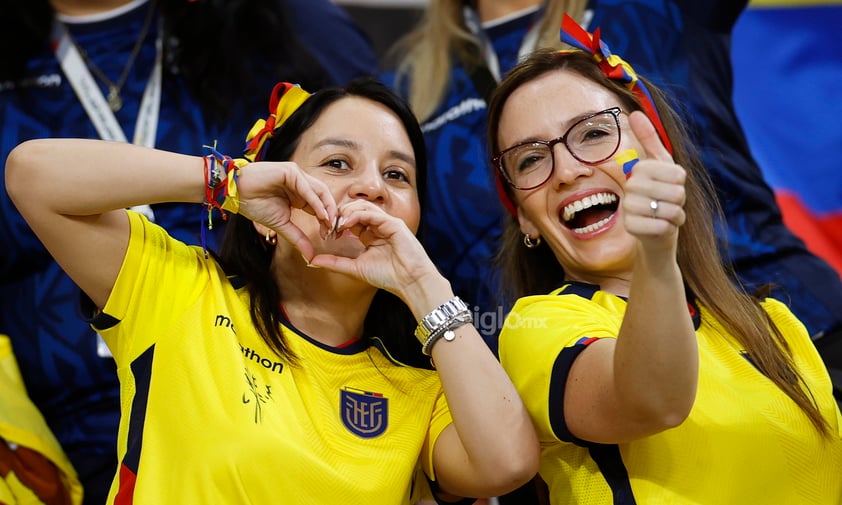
649, 376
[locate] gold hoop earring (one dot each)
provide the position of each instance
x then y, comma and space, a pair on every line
531, 243
271, 239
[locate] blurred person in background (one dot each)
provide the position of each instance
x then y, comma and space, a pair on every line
33, 468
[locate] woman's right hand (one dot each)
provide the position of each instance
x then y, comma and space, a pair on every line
269, 190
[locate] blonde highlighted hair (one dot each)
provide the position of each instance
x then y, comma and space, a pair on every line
427, 54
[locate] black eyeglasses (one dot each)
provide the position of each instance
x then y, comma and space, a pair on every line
591, 140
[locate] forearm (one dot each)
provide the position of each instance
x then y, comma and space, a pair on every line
497, 448
500, 446
88, 177
656, 356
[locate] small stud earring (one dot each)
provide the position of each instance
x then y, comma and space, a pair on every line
272, 239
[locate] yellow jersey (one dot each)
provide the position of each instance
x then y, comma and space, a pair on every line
211, 415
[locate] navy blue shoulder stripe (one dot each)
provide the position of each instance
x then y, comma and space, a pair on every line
558, 383
582, 289
610, 462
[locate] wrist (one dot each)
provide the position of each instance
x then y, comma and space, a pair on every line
426, 293
221, 173
220, 188
441, 321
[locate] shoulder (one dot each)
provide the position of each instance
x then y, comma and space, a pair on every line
539, 327
155, 262
387, 359
782, 316
573, 297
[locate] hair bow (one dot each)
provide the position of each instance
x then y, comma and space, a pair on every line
614, 68
286, 98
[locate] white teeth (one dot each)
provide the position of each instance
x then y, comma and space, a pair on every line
571, 209
592, 227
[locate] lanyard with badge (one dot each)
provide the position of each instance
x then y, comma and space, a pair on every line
101, 111
94, 102
484, 66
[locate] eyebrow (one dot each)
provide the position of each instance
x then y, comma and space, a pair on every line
338, 142
403, 157
350, 144
566, 125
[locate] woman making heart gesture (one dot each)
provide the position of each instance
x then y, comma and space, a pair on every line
279, 369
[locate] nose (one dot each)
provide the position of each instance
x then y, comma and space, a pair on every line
368, 184
566, 168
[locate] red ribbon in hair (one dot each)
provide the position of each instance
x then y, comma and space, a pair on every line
286, 98
614, 68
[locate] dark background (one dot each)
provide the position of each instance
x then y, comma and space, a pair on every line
384, 25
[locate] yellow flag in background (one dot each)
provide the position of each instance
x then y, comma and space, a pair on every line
33, 468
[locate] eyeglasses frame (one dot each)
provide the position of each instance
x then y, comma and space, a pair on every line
497, 160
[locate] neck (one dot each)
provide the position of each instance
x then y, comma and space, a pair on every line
86, 7
489, 10
328, 307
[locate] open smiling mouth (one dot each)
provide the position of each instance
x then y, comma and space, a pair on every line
590, 213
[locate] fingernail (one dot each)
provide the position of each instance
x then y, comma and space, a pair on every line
334, 228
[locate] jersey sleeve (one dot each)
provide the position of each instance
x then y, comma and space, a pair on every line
541, 338
439, 420
159, 276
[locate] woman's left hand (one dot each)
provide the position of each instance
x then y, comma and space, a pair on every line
392, 259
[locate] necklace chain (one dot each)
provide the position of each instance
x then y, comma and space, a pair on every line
115, 101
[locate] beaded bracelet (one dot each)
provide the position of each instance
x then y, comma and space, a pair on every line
221, 174
446, 332
220, 184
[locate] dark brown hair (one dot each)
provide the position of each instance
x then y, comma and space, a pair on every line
243, 252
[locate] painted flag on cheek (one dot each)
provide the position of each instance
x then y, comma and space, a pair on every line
627, 159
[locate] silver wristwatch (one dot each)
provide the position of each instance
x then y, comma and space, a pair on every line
440, 320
